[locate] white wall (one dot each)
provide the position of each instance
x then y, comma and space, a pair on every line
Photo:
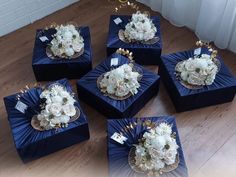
15, 14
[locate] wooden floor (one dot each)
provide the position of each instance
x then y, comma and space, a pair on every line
208, 135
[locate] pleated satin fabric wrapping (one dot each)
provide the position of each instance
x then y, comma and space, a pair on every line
31, 143
152, 51
90, 93
46, 68
118, 154
222, 90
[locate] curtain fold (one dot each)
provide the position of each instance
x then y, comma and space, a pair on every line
212, 20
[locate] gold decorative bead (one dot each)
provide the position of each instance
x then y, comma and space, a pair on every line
214, 51
131, 126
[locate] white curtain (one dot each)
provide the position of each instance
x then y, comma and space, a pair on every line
212, 20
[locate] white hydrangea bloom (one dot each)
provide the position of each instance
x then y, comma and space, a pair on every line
64, 118
59, 107
197, 71
67, 41
158, 149
163, 129
120, 81
140, 28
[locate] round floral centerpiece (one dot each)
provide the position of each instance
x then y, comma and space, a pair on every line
120, 83
139, 29
157, 151
200, 70
67, 43
197, 71
57, 109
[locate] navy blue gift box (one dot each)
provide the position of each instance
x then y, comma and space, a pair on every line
221, 91
144, 54
46, 69
90, 93
118, 153
32, 144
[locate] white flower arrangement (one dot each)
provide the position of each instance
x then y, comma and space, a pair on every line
66, 42
57, 107
140, 28
197, 71
120, 81
157, 149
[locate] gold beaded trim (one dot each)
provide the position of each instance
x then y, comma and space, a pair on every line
132, 125
54, 25
126, 53
25, 90
213, 51
126, 3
